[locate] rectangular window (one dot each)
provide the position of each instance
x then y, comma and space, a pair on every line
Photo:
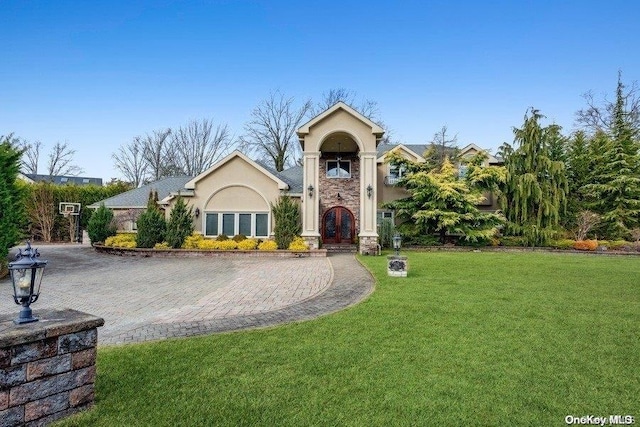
262, 225
395, 173
229, 224
244, 224
338, 169
382, 215
211, 226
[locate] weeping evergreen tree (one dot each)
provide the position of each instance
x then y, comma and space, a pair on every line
615, 190
180, 224
151, 224
286, 214
442, 203
579, 165
534, 194
11, 200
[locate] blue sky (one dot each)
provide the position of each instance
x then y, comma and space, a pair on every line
96, 74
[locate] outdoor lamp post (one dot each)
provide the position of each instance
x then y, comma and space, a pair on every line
26, 276
397, 241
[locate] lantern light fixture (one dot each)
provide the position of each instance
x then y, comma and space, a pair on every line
310, 190
397, 243
369, 191
26, 276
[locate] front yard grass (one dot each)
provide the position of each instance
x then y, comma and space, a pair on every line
467, 339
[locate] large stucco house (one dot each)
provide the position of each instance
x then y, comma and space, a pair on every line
341, 185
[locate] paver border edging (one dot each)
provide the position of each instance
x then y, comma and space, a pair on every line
352, 283
178, 253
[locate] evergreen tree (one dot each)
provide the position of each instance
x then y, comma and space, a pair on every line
534, 194
615, 190
180, 224
579, 165
101, 225
12, 215
441, 202
286, 214
151, 224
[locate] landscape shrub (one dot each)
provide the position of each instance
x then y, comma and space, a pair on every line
163, 245
222, 238
512, 241
151, 224
298, 244
239, 238
286, 214
562, 244
121, 240
180, 224
247, 245
101, 225
227, 245
193, 241
620, 244
386, 230
586, 245
208, 244
268, 245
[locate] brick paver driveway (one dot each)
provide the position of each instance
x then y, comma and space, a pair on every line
153, 298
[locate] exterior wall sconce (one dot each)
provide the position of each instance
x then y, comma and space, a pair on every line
26, 277
310, 190
339, 196
369, 191
197, 212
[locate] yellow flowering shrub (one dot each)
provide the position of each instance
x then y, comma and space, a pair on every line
268, 245
163, 245
247, 244
298, 244
227, 245
207, 244
193, 241
586, 245
121, 240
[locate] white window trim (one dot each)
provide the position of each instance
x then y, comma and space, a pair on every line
236, 222
337, 177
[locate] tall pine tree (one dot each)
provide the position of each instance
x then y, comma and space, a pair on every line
12, 213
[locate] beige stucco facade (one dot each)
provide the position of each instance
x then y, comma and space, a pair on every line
340, 134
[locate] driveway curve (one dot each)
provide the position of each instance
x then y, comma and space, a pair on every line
144, 299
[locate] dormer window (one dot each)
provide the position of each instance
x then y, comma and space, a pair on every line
338, 169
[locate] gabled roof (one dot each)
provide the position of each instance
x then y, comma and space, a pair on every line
138, 197
282, 185
375, 128
64, 179
491, 159
414, 150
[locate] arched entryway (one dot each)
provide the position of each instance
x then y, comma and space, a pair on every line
338, 226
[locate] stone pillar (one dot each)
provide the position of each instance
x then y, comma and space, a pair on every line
47, 368
368, 236
310, 205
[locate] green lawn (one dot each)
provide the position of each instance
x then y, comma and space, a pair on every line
467, 339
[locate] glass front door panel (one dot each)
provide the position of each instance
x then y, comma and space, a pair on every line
330, 224
345, 225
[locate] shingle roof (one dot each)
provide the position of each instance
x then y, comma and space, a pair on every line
293, 177
64, 179
138, 197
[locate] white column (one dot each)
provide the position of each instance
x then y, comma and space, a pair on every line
310, 205
368, 206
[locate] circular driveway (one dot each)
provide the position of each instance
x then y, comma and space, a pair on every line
153, 298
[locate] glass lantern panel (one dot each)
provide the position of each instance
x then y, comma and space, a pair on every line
22, 282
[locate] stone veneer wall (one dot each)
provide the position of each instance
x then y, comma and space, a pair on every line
349, 189
47, 368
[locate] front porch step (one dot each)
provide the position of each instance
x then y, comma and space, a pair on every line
333, 248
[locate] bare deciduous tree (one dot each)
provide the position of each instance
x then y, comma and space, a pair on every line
31, 157
197, 146
158, 154
271, 132
442, 146
599, 115
60, 160
585, 221
130, 161
366, 107
42, 211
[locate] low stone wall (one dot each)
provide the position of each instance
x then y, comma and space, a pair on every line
47, 368
208, 253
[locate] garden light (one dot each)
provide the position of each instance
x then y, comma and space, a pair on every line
26, 276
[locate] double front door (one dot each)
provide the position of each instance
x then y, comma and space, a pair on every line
338, 226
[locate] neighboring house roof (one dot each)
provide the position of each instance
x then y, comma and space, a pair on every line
419, 150
293, 177
138, 197
64, 179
